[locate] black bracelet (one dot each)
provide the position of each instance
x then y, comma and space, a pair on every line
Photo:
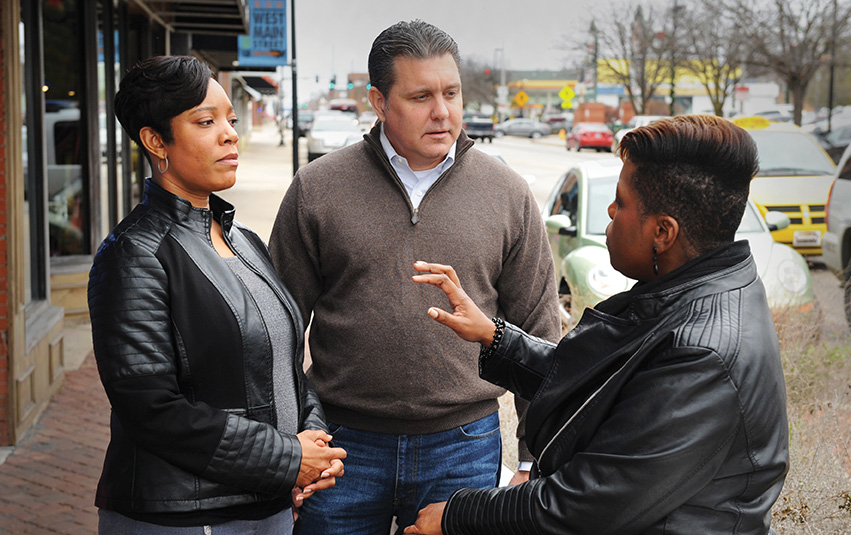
499, 329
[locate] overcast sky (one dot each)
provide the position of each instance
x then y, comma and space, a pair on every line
334, 36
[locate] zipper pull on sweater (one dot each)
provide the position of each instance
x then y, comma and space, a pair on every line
416, 216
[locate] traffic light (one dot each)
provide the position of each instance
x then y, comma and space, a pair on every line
333, 82
351, 85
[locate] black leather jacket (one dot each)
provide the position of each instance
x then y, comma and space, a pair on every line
662, 412
186, 361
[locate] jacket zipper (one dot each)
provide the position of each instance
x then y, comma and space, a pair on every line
415, 212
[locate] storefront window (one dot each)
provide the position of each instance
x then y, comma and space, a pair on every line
64, 93
28, 234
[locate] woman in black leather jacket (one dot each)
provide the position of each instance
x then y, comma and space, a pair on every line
663, 411
198, 344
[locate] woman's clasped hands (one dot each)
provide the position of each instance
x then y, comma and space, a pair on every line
321, 464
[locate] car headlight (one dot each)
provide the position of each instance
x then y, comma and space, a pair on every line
604, 280
792, 276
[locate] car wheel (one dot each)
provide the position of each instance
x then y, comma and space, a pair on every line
536, 135
498, 133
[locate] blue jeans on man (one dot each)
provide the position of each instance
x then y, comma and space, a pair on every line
391, 476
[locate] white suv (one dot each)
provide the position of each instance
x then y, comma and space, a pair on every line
836, 243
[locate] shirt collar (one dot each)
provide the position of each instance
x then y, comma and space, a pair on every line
397, 159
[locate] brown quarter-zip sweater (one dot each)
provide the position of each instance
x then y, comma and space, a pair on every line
344, 242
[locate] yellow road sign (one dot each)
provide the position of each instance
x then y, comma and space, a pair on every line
521, 98
567, 93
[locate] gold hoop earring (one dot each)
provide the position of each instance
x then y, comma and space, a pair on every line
162, 171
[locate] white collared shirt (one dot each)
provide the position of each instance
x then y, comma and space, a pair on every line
417, 183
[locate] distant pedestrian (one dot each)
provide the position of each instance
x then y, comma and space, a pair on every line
198, 344
664, 409
403, 399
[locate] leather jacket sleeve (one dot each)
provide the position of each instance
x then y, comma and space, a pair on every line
519, 363
135, 350
637, 467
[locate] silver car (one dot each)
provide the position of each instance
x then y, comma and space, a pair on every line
522, 127
836, 242
331, 132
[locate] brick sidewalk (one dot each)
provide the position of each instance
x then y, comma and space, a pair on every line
47, 484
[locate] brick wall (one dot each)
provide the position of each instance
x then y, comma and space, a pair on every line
4, 307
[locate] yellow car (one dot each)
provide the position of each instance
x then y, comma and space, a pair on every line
794, 178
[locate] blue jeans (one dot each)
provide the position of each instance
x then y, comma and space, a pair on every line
397, 475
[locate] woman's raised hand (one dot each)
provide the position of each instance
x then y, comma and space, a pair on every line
466, 319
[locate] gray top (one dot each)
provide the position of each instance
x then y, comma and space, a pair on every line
279, 326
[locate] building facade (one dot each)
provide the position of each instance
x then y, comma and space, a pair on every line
68, 173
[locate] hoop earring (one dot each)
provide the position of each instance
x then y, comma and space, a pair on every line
655, 258
162, 171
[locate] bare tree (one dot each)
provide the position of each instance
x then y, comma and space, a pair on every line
791, 38
633, 53
715, 52
477, 83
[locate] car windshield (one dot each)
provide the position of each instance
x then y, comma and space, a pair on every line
335, 125
790, 153
601, 193
593, 127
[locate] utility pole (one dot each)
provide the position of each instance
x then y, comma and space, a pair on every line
676, 10
594, 33
295, 90
832, 66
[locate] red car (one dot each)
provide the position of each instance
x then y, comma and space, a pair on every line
592, 135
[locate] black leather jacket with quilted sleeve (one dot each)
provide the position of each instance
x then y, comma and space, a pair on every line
662, 412
186, 361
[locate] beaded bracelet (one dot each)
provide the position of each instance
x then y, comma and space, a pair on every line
499, 329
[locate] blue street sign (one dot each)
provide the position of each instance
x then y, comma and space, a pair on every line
266, 44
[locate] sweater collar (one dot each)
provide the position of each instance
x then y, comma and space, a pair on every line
182, 210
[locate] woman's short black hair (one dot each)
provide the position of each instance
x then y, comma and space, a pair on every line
696, 169
157, 90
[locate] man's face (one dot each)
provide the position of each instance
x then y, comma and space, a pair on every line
423, 112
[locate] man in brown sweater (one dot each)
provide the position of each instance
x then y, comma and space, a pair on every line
401, 396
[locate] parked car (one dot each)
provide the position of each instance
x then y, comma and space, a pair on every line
835, 141
558, 121
305, 117
478, 127
576, 217
589, 136
836, 247
330, 132
522, 127
794, 178
634, 122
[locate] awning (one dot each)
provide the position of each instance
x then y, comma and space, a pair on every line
222, 17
